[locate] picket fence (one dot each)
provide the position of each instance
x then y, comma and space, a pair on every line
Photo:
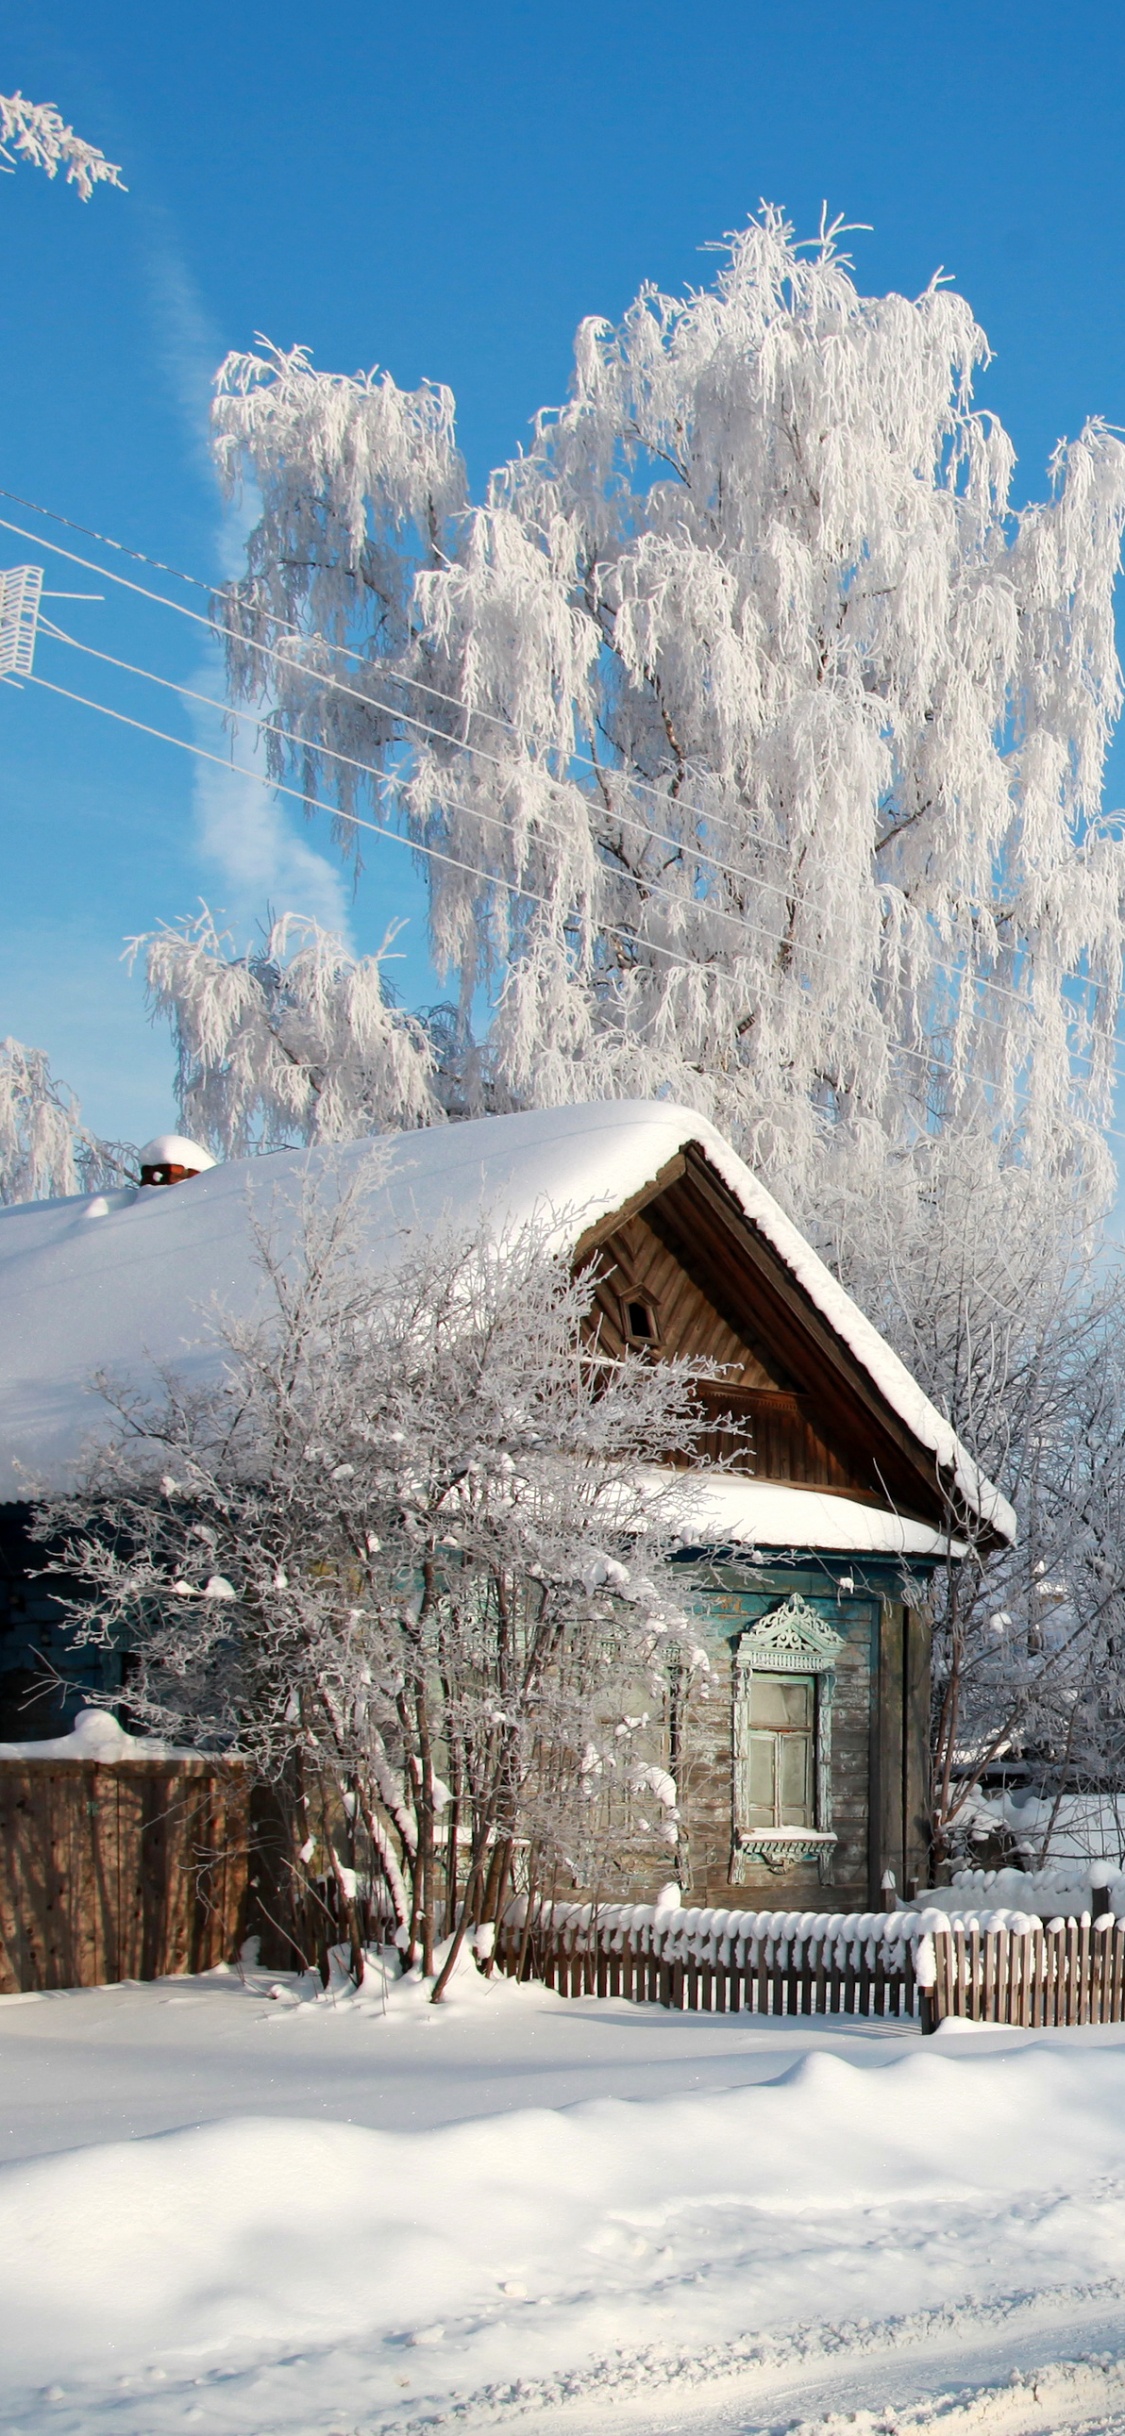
922, 1964
1042, 1975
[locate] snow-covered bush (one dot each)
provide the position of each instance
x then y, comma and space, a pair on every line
398, 1560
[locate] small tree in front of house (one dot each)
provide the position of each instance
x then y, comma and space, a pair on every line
408, 1556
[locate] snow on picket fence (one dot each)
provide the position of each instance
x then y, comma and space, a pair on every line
989, 1965
1059, 1886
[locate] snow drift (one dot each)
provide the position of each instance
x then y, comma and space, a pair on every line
524, 2245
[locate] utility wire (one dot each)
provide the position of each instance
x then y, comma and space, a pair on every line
261, 778
491, 820
652, 888
925, 1058
108, 543
370, 702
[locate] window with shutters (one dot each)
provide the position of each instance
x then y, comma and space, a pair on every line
784, 1681
780, 1752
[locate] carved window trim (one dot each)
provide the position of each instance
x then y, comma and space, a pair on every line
791, 1639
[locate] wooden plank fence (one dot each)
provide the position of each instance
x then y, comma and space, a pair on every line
123, 1871
1046, 1977
142, 1867
812, 1979
1035, 1977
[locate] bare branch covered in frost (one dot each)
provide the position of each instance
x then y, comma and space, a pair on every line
45, 1149
399, 1560
35, 132
297, 1042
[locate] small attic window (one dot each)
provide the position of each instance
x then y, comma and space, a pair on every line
641, 1325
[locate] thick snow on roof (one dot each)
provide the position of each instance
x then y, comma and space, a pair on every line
725, 1509
124, 1279
96, 1735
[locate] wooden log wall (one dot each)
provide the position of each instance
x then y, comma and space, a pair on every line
119, 1872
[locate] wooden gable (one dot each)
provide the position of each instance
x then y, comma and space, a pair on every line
683, 1269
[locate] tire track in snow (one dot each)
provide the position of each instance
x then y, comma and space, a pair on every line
999, 2366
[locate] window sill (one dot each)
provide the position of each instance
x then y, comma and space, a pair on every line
780, 1848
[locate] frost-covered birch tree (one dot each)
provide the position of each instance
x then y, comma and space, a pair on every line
761, 735
397, 1558
45, 1149
296, 1041
37, 133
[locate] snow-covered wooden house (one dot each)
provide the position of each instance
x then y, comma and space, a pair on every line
811, 1559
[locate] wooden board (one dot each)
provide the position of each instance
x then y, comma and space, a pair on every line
748, 1288
119, 1872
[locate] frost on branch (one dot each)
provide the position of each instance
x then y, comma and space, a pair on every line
35, 132
360, 484
399, 1560
778, 736
989, 1290
45, 1149
297, 1041
777, 733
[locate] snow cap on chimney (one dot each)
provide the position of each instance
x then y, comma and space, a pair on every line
169, 1157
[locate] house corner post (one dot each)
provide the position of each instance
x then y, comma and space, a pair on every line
916, 1751
888, 1841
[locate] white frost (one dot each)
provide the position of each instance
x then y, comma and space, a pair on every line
135, 1288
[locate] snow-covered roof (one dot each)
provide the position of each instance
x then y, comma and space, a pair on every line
124, 1279
728, 1510
97, 1735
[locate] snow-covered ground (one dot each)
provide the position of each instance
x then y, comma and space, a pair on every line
231, 2212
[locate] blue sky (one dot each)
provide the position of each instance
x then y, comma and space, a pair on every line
446, 191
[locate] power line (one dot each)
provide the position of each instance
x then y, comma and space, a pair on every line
489, 819
370, 702
390, 710
261, 778
346, 651
651, 888
354, 820
925, 1058
107, 541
